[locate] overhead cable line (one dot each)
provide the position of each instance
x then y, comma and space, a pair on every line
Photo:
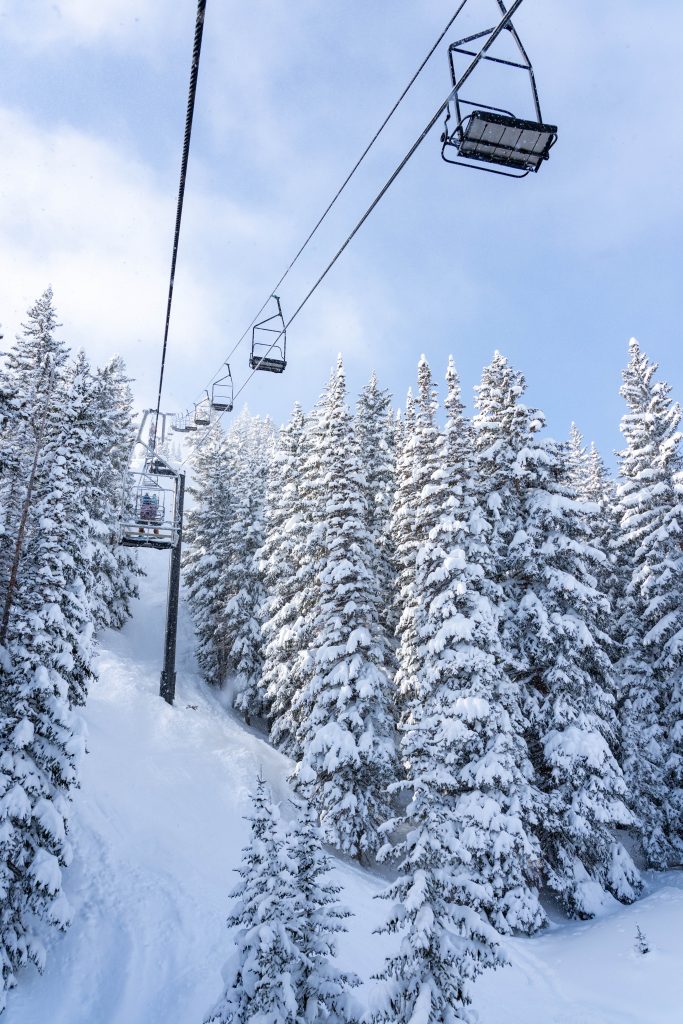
194, 71
341, 188
495, 32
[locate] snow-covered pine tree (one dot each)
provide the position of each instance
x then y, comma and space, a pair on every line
115, 567
404, 541
324, 990
345, 728
287, 916
466, 700
250, 445
576, 461
375, 433
50, 573
59, 553
33, 373
263, 976
446, 941
281, 558
44, 660
591, 482
419, 478
40, 747
466, 764
557, 640
206, 554
651, 615
221, 563
307, 550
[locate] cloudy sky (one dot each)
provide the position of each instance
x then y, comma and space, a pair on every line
557, 270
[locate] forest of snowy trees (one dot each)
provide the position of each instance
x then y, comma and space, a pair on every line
468, 638
65, 437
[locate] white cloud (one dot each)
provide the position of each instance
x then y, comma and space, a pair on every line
97, 225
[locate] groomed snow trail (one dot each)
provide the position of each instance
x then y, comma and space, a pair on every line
157, 829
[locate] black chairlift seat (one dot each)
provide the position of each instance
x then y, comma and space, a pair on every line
504, 140
271, 363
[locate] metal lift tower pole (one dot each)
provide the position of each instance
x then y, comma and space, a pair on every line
167, 687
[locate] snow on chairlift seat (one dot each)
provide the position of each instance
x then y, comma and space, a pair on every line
505, 140
158, 467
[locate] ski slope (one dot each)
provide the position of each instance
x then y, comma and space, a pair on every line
157, 828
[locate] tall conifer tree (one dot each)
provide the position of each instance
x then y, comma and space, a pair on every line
343, 710
557, 640
651, 619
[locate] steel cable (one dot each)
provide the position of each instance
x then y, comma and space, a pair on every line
194, 72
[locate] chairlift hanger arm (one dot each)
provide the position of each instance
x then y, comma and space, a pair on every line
525, 55
527, 66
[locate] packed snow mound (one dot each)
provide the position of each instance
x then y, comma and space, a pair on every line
157, 829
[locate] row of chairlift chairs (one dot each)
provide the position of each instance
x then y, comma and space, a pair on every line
475, 135
268, 352
150, 516
484, 137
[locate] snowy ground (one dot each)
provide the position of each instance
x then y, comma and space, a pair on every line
157, 828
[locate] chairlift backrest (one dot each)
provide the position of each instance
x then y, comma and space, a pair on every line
269, 342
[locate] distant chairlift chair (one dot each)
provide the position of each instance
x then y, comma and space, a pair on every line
492, 135
158, 466
222, 393
202, 412
269, 343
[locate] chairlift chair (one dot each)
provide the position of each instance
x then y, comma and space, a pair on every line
190, 422
223, 393
179, 424
202, 412
150, 521
269, 343
159, 467
483, 134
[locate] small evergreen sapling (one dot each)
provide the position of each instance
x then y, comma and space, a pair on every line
642, 945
